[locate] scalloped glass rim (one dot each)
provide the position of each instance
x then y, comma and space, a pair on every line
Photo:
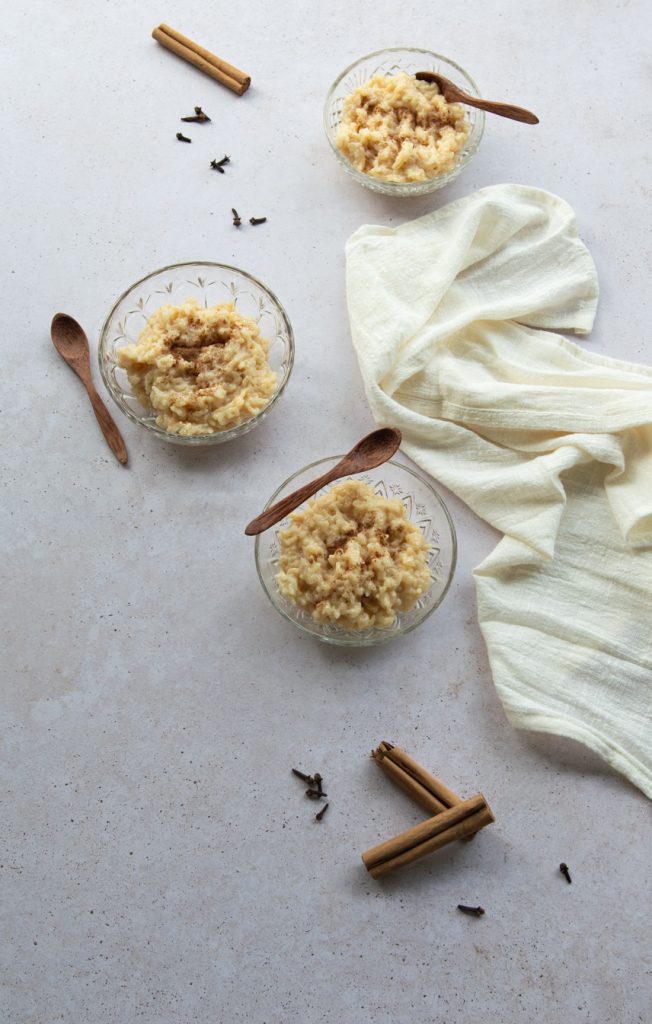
408, 188
363, 638
146, 419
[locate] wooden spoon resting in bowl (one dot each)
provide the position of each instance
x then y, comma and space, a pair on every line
452, 94
371, 451
72, 345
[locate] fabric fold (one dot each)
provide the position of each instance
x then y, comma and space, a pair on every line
452, 318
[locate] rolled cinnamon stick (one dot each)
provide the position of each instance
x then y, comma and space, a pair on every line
457, 822
418, 783
413, 787
428, 781
202, 59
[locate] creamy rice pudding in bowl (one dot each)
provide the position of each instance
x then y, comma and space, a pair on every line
368, 558
397, 135
197, 352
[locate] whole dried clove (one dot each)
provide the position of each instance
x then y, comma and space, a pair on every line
320, 814
183, 138
315, 794
303, 776
318, 781
218, 165
471, 911
565, 872
197, 117
257, 220
236, 218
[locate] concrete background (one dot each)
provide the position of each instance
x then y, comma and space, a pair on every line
158, 861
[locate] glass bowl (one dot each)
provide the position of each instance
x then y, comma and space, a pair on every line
423, 506
210, 283
388, 62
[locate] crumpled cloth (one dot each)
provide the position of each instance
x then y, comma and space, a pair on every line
452, 317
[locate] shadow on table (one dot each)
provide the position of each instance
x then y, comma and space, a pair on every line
226, 457
569, 757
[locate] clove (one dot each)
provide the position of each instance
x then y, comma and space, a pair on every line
218, 165
182, 138
257, 220
320, 814
236, 218
303, 776
197, 117
565, 872
471, 911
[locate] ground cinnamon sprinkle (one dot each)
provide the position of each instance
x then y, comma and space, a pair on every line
352, 558
201, 370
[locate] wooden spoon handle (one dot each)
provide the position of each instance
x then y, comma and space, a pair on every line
108, 427
288, 504
502, 109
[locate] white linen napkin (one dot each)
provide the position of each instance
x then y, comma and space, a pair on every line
451, 318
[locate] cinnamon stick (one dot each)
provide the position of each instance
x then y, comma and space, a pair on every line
419, 793
457, 822
202, 59
415, 780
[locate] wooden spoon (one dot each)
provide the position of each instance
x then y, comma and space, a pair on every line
72, 345
371, 451
452, 94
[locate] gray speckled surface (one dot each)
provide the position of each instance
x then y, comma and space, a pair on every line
158, 861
